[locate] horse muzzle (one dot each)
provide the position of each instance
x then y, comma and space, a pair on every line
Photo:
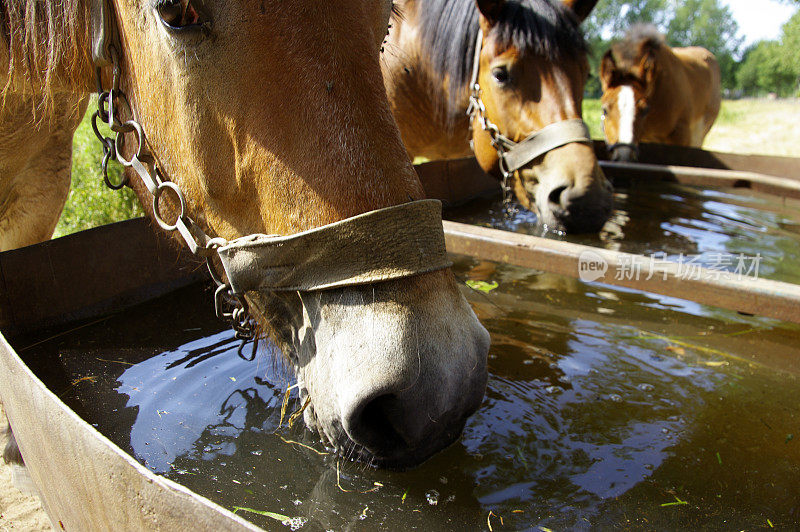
623, 152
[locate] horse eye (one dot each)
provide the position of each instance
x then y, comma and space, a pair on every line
644, 110
501, 75
175, 16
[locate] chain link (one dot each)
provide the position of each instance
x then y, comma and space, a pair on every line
227, 304
477, 110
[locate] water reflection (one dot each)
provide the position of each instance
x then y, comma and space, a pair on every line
196, 392
679, 220
602, 405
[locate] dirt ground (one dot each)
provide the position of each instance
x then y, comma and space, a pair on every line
17, 510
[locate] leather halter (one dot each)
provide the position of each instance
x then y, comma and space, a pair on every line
516, 155
386, 244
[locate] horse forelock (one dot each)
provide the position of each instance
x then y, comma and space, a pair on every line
449, 29
46, 44
639, 38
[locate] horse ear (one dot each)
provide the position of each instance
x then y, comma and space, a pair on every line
490, 9
647, 64
607, 68
581, 8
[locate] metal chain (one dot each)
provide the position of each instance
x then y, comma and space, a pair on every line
477, 109
228, 305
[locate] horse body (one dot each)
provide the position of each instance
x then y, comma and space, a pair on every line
35, 164
272, 118
532, 71
655, 93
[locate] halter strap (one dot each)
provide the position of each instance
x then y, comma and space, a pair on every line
102, 32
390, 243
545, 140
515, 155
476, 61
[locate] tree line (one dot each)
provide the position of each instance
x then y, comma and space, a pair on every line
769, 66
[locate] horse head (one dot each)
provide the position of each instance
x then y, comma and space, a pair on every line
627, 75
272, 118
529, 75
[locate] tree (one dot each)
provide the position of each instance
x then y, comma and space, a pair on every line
761, 70
790, 43
709, 24
771, 66
612, 18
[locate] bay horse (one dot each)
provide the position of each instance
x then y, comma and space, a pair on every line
655, 93
519, 67
263, 118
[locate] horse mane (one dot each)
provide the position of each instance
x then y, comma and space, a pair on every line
47, 46
449, 29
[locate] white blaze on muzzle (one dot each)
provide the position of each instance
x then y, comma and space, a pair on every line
626, 104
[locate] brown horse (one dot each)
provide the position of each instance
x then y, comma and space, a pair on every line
654, 93
272, 118
528, 76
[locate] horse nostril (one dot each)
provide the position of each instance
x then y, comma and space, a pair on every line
374, 425
624, 154
555, 195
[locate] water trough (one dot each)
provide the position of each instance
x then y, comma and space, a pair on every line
87, 482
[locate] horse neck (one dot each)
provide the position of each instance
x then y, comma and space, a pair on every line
668, 66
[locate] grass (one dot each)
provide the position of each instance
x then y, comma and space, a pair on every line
748, 126
90, 202
764, 126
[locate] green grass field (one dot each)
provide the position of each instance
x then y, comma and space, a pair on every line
744, 126
90, 203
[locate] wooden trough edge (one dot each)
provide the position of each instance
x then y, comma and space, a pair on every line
779, 186
748, 295
457, 181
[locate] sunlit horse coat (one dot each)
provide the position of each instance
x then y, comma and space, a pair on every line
655, 93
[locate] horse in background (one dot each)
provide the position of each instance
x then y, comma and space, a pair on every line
530, 73
272, 119
35, 165
655, 93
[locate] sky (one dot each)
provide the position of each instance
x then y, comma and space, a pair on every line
760, 19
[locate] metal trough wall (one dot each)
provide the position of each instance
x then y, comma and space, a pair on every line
84, 480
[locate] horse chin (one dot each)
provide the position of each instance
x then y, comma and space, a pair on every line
335, 438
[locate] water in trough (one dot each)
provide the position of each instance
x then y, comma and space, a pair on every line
605, 407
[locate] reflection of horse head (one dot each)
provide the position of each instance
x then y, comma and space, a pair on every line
520, 68
271, 117
654, 93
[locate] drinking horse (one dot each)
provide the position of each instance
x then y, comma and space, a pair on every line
243, 119
655, 93
512, 71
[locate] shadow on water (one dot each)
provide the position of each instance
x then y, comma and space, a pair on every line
604, 408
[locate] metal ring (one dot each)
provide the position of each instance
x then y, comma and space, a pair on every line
113, 120
102, 138
110, 153
102, 100
216, 242
135, 127
157, 195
